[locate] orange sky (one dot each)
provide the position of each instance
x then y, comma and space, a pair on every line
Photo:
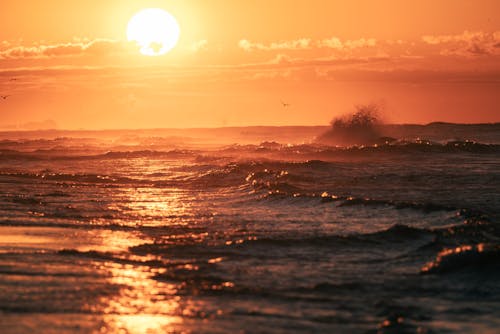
236, 60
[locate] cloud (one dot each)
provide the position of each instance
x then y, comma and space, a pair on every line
199, 45
297, 44
466, 36
4, 44
336, 43
362, 59
307, 43
332, 43
467, 43
75, 48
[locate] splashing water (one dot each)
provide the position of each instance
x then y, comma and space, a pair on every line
359, 128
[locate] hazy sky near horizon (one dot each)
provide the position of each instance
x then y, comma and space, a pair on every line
236, 61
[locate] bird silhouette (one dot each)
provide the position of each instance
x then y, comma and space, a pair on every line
4, 97
285, 104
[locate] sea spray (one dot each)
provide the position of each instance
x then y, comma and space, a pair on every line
359, 128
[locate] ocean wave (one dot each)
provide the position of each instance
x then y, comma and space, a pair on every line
460, 245
464, 257
34, 272
272, 180
23, 199
122, 258
327, 287
54, 221
89, 154
283, 190
271, 150
70, 177
201, 249
177, 153
474, 230
389, 146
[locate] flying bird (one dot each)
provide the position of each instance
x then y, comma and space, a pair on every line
4, 97
285, 104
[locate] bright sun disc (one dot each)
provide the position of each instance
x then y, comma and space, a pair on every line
154, 30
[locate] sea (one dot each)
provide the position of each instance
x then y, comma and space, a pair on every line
250, 230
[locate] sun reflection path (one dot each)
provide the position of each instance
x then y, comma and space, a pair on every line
143, 304
151, 206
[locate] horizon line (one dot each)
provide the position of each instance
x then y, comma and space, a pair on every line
3, 130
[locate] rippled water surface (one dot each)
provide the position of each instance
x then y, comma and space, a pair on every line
269, 238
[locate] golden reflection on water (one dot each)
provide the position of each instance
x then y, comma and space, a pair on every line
137, 301
150, 206
138, 324
142, 304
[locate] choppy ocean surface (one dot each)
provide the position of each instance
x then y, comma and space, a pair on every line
153, 232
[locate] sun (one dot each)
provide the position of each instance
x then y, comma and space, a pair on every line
155, 30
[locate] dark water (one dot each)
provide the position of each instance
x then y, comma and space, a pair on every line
156, 237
